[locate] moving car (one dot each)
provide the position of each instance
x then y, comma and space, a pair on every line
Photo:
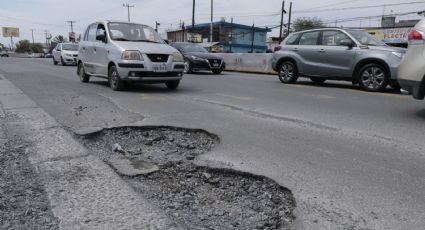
338, 54
411, 73
197, 57
123, 52
4, 54
65, 53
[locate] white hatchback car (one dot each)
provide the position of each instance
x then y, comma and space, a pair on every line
411, 72
124, 52
65, 53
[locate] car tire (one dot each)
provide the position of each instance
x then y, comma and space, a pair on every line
81, 72
217, 71
373, 77
54, 61
172, 84
114, 79
63, 62
187, 66
288, 72
317, 80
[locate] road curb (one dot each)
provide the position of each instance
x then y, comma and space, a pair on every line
84, 192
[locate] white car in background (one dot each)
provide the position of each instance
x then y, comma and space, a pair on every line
65, 53
411, 72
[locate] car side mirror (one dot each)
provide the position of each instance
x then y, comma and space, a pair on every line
347, 42
101, 37
59, 50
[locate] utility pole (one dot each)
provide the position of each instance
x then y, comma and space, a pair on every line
32, 35
252, 39
156, 26
231, 34
289, 20
212, 18
72, 25
128, 10
193, 17
281, 21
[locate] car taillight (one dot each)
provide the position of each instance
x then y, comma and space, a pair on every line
415, 35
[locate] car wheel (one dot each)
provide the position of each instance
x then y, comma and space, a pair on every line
54, 61
114, 79
84, 77
172, 84
288, 72
217, 71
373, 77
317, 80
187, 66
63, 62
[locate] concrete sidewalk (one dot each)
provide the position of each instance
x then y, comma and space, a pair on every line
83, 191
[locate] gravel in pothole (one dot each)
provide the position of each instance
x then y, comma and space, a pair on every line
156, 145
194, 196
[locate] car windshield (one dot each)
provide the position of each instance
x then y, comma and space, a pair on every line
133, 32
191, 48
365, 38
71, 47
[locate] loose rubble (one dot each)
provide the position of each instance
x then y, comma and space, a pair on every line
196, 197
23, 201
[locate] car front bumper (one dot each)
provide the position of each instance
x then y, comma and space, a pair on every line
138, 71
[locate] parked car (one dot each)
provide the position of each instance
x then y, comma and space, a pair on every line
4, 54
197, 58
65, 53
338, 54
124, 52
411, 73
48, 55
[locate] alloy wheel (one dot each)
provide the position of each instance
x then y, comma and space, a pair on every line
373, 78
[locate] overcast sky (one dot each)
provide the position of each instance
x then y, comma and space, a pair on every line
52, 15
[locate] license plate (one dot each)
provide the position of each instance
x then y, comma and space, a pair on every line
160, 68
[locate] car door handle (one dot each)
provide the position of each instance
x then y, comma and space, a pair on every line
295, 49
94, 49
322, 50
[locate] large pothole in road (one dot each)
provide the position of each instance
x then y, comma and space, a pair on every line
196, 197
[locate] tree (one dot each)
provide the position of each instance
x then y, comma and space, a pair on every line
306, 23
59, 39
23, 46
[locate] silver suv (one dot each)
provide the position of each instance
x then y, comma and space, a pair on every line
338, 54
123, 52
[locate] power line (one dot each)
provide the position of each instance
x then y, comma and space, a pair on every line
358, 7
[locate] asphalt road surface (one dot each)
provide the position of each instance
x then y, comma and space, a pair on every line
353, 160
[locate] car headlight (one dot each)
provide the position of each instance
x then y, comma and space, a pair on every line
398, 54
197, 58
178, 57
132, 55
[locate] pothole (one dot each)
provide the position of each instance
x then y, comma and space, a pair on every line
196, 197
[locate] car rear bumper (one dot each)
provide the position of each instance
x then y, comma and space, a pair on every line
416, 88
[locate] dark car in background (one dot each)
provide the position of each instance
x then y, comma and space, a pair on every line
197, 58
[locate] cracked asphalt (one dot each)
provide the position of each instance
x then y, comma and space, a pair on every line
353, 160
